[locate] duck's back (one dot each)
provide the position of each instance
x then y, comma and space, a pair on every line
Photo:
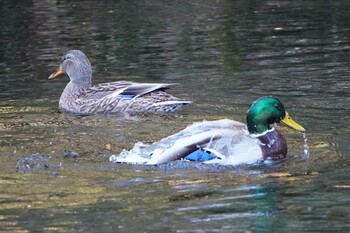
101, 90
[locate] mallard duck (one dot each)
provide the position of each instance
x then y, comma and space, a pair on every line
79, 97
222, 141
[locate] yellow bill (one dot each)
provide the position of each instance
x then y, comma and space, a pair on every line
56, 74
291, 123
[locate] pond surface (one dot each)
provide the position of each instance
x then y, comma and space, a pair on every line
54, 170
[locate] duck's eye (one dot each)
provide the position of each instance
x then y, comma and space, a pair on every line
277, 106
65, 58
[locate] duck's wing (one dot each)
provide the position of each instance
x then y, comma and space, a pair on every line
104, 89
123, 89
140, 89
229, 141
185, 146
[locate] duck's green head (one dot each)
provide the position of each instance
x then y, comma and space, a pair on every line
266, 111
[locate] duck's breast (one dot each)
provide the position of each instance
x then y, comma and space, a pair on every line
273, 145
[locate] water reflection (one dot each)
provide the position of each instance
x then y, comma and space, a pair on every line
224, 54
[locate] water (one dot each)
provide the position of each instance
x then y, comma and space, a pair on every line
224, 55
306, 146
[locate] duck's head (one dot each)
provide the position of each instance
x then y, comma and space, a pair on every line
266, 111
77, 66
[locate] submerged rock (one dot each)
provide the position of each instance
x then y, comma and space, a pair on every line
69, 154
35, 161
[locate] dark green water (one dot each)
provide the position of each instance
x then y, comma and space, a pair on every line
224, 55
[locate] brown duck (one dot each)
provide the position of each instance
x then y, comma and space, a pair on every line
79, 97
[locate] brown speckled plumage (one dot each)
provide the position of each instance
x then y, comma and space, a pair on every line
79, 97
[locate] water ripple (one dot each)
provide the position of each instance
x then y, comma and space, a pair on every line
219, 217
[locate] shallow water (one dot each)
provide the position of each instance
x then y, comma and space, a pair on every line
224, 55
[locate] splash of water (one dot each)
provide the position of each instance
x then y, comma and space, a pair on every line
306, 146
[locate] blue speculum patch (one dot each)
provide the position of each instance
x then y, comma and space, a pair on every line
128, 96
200, 155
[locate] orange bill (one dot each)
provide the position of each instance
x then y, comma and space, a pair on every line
56, 74
291, 123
